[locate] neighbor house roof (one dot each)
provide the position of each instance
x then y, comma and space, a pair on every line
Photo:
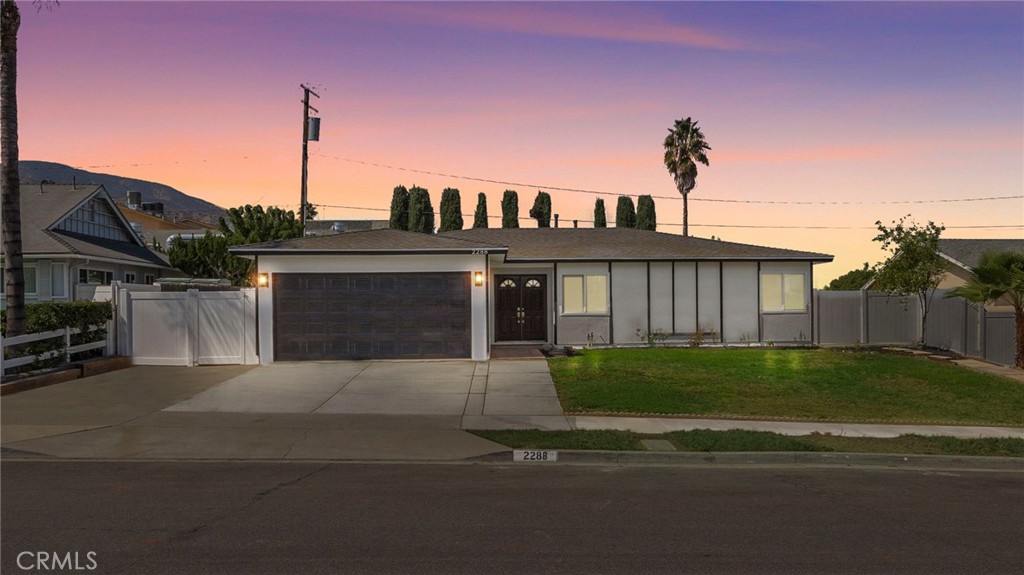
603, 244
382, 241
323, 227
534, 244
967, 253
44, 206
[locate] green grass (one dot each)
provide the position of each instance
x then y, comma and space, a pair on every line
789, 383
703, 440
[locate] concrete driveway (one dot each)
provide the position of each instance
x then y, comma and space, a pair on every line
495, 389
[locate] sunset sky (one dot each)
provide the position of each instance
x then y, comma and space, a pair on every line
800, 102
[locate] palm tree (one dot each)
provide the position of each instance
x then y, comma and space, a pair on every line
10, 21
999, 276
684, 147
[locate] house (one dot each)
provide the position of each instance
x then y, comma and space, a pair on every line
76, 235
395, 294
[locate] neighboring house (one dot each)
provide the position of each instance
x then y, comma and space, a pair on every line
76, 235
329, 227
963, 254
396, 294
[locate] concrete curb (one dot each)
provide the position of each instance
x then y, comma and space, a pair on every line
772, 458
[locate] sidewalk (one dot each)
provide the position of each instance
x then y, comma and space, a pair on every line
129, 414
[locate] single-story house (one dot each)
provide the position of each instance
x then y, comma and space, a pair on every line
75, 234
395, 294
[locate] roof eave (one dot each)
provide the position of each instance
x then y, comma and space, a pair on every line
387, 252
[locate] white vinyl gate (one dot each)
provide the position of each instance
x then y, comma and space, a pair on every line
187, 328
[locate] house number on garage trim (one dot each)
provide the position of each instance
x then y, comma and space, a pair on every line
534, 455
479, 252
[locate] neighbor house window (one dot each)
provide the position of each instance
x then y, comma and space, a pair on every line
585, 294
30, 280
150, 279
96, 277
129, 278
59, 281
783, 292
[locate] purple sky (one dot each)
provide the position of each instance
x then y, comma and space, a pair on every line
819, 102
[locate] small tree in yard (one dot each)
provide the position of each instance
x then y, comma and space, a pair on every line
852, 280
600, 219
914, 266
480, 215
510, 209
999, 276
451, 211
625, 213
541, 210
646, 219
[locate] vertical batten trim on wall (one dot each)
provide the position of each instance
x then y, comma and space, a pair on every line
256, 258
648, 297
721, 303
673, 298
488, 282
760, 312
554, 304
696, 296
810, 266
611, 308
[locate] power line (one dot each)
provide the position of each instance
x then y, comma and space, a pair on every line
717, 200
744, 226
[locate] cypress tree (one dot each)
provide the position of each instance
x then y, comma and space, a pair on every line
541, 210
625, 214
451, 210
399, 209
421, 211
510, 209
646, 219
480, 216
600, 220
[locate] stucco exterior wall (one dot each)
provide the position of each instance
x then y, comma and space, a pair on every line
661, 296
739, 302
629, 297
789, 326
686, 297
573, 329
709, 300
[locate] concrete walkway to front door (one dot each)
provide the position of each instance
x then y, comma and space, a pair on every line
473, 394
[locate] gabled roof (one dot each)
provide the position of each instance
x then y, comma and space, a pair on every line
44, 206
603, 244
966, 253
324, 227
383, 241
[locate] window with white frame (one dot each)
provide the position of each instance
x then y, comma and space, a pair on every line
585, 294
58, 281
783, 292
30, 280
95, 277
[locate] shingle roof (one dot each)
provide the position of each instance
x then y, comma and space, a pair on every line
604, 244
324, 227
967, 252
370, 241
43, 206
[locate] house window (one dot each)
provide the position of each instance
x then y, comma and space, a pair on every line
585, 294
30, 280
129, 278
508, 283
150, 279
783, 292
532, 283
58, 281
95, 277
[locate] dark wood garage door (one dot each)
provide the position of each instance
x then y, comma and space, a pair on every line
371, 316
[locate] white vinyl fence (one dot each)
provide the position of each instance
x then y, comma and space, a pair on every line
66, 351
954, 324
187, 328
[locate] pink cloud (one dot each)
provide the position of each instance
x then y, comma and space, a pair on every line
548, 21
857, 152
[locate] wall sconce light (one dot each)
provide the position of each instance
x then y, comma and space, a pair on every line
478, 278
263, 280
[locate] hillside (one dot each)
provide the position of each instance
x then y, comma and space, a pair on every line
176, 203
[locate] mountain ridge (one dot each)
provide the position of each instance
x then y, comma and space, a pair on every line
177, 204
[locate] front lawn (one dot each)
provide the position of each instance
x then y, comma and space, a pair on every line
818, 384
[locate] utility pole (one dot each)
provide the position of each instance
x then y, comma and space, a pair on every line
305, 149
